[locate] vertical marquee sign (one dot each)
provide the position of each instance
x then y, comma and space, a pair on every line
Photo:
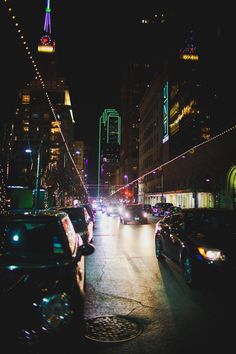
165, 114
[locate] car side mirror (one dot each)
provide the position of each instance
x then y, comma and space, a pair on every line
86, 249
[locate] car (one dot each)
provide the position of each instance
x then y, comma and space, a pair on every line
148, 208
159, 208
81, 221
171, 210
133, 213
91, 212
201, 241
103, 208
42, 281
113, 208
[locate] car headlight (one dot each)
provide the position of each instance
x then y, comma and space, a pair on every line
127, 215
55, 311
144, 214
210, 254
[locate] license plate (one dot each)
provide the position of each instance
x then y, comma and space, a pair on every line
136, 219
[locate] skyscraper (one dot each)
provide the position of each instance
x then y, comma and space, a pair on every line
41, 128
108, 152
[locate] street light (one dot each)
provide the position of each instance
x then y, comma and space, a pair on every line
127, 179
37, 187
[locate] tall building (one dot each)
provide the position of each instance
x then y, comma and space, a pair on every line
149, 44
43, 130
187, 130
109, 152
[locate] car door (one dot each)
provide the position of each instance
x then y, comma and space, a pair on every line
175, 236
165, 236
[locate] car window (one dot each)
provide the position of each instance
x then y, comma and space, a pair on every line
176, 222
134, 207
78, 218
70, 233
31, 239
208, 221
87, 217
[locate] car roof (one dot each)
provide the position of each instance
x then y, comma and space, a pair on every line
133, 204
35, 214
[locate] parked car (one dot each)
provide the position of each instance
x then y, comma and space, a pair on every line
148, 208
91, 212
81, 221
202, 242
172, 210
133, 213
42, 279
159, 208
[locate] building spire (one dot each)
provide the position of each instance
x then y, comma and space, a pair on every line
47, 44
47, 21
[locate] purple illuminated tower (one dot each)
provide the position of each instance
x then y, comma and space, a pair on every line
47, 21
47, 44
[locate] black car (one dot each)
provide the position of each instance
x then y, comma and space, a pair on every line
82, 222
41, 277
147, 208
91, 212
159, 209
133, 213
201, 241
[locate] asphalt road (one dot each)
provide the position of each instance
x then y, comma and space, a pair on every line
124, 279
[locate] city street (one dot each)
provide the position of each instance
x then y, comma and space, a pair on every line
126, 109
124, 279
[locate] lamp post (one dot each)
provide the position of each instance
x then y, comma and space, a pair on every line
37, 178
37, 187
126, 178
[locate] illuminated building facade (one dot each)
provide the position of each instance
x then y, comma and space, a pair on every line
148, 46
36, 133
179, 157
108, 152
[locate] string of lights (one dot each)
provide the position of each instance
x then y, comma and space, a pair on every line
157, 168
40, 78
190, 150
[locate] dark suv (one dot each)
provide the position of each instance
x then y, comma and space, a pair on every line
133, 213
42, 278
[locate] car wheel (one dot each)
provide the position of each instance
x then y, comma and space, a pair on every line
158, 248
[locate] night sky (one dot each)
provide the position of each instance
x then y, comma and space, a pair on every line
88, 51
93, 39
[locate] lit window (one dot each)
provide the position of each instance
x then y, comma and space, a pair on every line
25, 99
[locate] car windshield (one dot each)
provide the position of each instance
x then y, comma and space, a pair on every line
134, 207
75, 213
211, 221
30, 240
114, 205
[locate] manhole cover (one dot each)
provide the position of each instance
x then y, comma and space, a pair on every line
111, 329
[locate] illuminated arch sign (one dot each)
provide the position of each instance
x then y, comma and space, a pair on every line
46, 44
